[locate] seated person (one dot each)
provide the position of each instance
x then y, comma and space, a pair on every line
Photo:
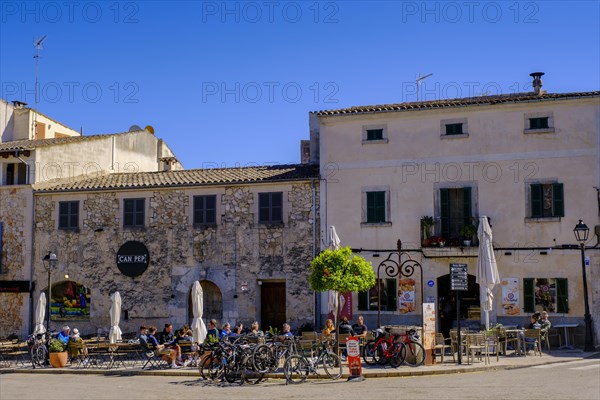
63, 335
75, 338
169, 355
226, 331
254, 331
359, 328
534, 324
545, 324
190, 347
345, 327
237, 332
212, 334
167, 338
329, 328
143, 336
287, 330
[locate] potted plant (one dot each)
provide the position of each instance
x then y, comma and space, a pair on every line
435, 241
58, 353
467, 233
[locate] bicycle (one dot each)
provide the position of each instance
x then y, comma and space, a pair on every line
412, 351
298, 366
38, 348
268, 356
383, 349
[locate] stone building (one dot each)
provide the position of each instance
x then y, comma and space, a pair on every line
247, 234
35, 148
530, 162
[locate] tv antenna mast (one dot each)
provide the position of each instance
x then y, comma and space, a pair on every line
418, 82
38, 46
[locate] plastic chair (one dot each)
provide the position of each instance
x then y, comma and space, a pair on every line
440, 344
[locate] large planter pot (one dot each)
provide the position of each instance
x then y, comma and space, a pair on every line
59, 360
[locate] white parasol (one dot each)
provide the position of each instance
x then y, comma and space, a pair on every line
40, 313
487, 269
198, 327
115, 315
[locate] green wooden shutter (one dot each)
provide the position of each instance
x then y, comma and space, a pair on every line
562, 295
363, 301
536, 200
467, 206
528, 296
391, 290
445, 212
558, 200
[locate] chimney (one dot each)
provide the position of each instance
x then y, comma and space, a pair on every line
305, 151
19, 104
537, 82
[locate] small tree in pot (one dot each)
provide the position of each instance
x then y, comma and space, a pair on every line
467, 232
58, 353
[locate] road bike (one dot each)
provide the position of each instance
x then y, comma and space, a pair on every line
383, 349
412, 351
38, 348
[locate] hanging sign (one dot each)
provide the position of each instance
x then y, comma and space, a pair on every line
459, 277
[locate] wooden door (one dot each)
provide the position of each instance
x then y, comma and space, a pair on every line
272, 305
40, 131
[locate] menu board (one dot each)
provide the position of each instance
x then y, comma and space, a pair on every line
406, 296
428, 325
459, 277
510, 296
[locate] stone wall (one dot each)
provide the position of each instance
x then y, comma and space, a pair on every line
15, 216
236, 249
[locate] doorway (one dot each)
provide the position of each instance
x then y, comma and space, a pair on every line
272, 305
469, 304
212, 302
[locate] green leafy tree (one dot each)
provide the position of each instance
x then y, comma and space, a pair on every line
338, 270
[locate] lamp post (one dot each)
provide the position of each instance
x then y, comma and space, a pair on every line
49, 261
582, 231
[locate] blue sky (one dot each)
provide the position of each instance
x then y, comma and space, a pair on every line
232, 83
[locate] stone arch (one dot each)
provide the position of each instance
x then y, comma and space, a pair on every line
70, 301
213, 302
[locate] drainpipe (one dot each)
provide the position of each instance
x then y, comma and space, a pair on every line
314, 252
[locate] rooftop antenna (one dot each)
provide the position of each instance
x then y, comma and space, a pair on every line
418, 82
38, 46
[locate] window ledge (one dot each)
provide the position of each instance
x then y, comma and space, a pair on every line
204, 226
374, 224
543, 130
134, 228
542, 219
74, 230
461, 136
366, 141
271, 224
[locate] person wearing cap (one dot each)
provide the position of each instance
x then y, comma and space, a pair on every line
75, 338
63, 336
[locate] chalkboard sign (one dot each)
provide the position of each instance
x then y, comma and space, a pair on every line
459, 277
133, 258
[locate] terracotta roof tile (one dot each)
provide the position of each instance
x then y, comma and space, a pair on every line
192, 177
460, 102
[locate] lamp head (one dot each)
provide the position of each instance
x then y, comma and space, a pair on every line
581, 232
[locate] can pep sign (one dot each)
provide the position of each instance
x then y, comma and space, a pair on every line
133, 258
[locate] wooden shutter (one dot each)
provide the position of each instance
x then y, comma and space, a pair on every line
391, 289
528, 296
562, 295
558, 207
536, 200
467, 209
445, 212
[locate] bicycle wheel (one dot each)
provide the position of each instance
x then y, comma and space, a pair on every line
413, 354
295, 369
332, 365
204, 366
263, 358
369, 352
379, 354
38, 355
249, 374
395, 355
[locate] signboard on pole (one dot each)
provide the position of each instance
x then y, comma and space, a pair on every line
459, 277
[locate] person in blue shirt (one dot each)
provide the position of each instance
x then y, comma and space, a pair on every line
287, 330
226, 331
237, 331
63, 336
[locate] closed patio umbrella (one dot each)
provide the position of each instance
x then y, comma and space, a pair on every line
40, 313
198, 327
115, 315
487, 269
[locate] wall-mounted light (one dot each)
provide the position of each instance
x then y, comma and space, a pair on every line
244, 287
259, 283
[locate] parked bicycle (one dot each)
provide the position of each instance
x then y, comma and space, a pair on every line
383, 349
298, 366
268, 356
38, 348
412, 351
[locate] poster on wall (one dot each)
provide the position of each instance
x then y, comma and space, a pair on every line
406, 296
428, 325
510, 296
70, 300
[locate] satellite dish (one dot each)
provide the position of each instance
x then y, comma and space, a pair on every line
150, 129
135, 128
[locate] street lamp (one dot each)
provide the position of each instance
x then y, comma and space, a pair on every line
581, 234
49, 261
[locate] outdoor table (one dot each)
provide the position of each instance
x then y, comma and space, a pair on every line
566, 327
518, 334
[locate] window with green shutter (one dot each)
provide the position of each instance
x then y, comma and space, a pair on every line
528, 297
270, 208
368, 300
545, 294
547, 200
376, 207
456, 211
68, 214
562, 295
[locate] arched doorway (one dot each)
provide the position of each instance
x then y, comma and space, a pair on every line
213, 302
70, 301
469, 304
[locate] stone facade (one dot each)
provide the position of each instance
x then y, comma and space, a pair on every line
236, 249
